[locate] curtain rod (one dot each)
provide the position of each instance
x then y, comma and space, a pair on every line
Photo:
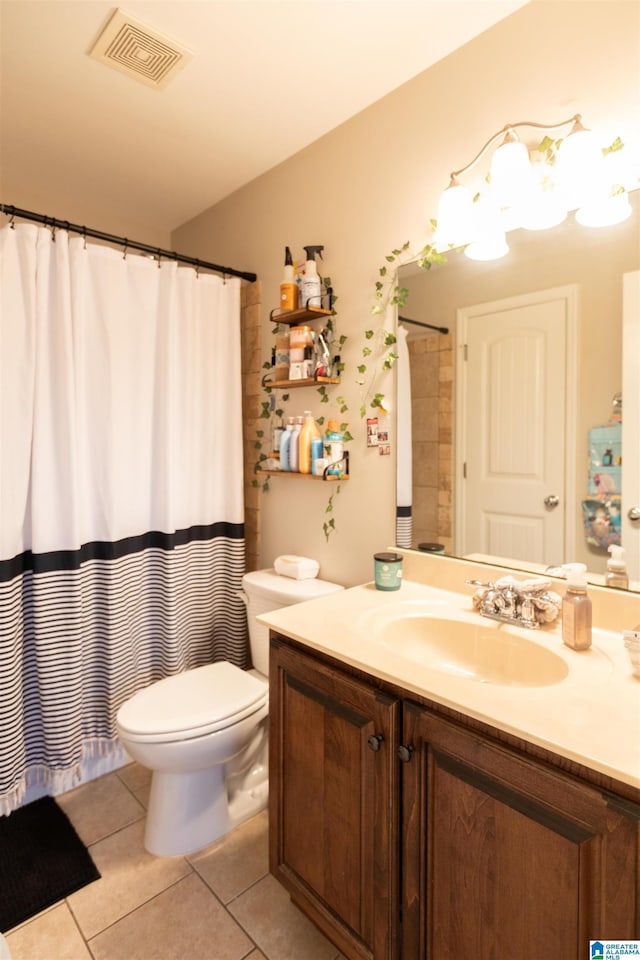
12, 211
427, 326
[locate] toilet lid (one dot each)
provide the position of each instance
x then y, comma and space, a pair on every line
197, 702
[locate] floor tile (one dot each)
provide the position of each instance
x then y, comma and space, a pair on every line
100, 807
52, 934
138, 780
185, 921
279, 929
129, 877
238, 860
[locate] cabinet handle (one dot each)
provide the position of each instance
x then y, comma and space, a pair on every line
405, 753
375, 741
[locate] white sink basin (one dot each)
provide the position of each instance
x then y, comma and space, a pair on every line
491, 653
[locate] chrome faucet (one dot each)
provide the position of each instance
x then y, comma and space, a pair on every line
526, 603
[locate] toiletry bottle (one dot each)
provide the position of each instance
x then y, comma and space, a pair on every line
617, 575
308, 432
576, 609
294, 446
276, 439
285, 445
288, 287
311, 283
334, 447
317, 452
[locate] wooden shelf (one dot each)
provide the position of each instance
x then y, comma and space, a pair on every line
306, 382
303, 476
292, 317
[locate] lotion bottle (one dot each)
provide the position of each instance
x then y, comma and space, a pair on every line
576, 609
285, 446
308, 432
288, 287
617, 575
294, 446
311, 283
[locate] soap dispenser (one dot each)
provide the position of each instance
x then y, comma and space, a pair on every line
576, 609
617, 575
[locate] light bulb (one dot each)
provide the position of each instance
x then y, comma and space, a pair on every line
579, 165
455, 217
510, 178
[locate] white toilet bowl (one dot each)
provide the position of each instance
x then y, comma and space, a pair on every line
186, 729
204, 733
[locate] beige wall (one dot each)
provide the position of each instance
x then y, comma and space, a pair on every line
373, 183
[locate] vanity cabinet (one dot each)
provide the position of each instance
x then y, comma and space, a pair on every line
501, 853
333, 780
407, 832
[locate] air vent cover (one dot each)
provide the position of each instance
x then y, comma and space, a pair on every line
128, 45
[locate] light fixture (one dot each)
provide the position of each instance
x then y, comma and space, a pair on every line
534, 192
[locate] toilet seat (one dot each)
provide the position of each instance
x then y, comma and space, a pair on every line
192, 704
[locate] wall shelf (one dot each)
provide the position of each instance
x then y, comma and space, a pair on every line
292, 317
306, 382
304, 476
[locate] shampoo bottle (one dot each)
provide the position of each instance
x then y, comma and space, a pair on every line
617, 575
288, 287
308, 432
311, 283
576, 609
294, 446
285, 446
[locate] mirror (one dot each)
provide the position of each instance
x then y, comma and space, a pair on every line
581, 266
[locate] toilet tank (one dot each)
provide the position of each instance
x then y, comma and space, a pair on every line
264, 591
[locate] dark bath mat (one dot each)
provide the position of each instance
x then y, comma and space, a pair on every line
42, 860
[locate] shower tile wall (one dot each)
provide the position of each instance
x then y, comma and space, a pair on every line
431, 360
251, 397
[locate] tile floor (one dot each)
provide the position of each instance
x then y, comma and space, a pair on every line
218, 904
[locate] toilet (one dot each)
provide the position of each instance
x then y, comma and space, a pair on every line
204, 732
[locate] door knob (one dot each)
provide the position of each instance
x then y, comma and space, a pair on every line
551, 501
634, 513
374, 742
405, 753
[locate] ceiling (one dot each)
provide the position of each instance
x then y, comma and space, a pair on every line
266, 78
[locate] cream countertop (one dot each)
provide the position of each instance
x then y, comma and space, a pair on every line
592, 716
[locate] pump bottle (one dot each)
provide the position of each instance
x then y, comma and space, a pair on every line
617, 575
576, 609
288, 287
311, 284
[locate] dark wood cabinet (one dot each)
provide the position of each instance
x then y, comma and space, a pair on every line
334, 817
405, 833
506, 858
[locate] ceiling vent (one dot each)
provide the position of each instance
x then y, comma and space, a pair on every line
130, 46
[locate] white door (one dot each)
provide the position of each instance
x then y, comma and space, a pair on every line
514, 383
631, 421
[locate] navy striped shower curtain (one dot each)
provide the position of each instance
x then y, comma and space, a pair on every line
121, 501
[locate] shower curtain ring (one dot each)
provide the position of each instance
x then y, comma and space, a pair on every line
159, 256
197, 269
124, 249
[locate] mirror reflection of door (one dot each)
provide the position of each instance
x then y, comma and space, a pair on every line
631, 423
515, 390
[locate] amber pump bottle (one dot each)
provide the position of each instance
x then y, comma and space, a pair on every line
576, 610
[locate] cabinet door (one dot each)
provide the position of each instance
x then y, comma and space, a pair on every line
333, 773
506, 858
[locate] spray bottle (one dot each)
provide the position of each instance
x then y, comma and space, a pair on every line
288, 287
617, 575
311, 287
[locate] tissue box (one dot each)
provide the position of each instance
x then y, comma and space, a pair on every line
298, 568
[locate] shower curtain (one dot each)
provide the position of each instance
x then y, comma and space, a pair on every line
121, 500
